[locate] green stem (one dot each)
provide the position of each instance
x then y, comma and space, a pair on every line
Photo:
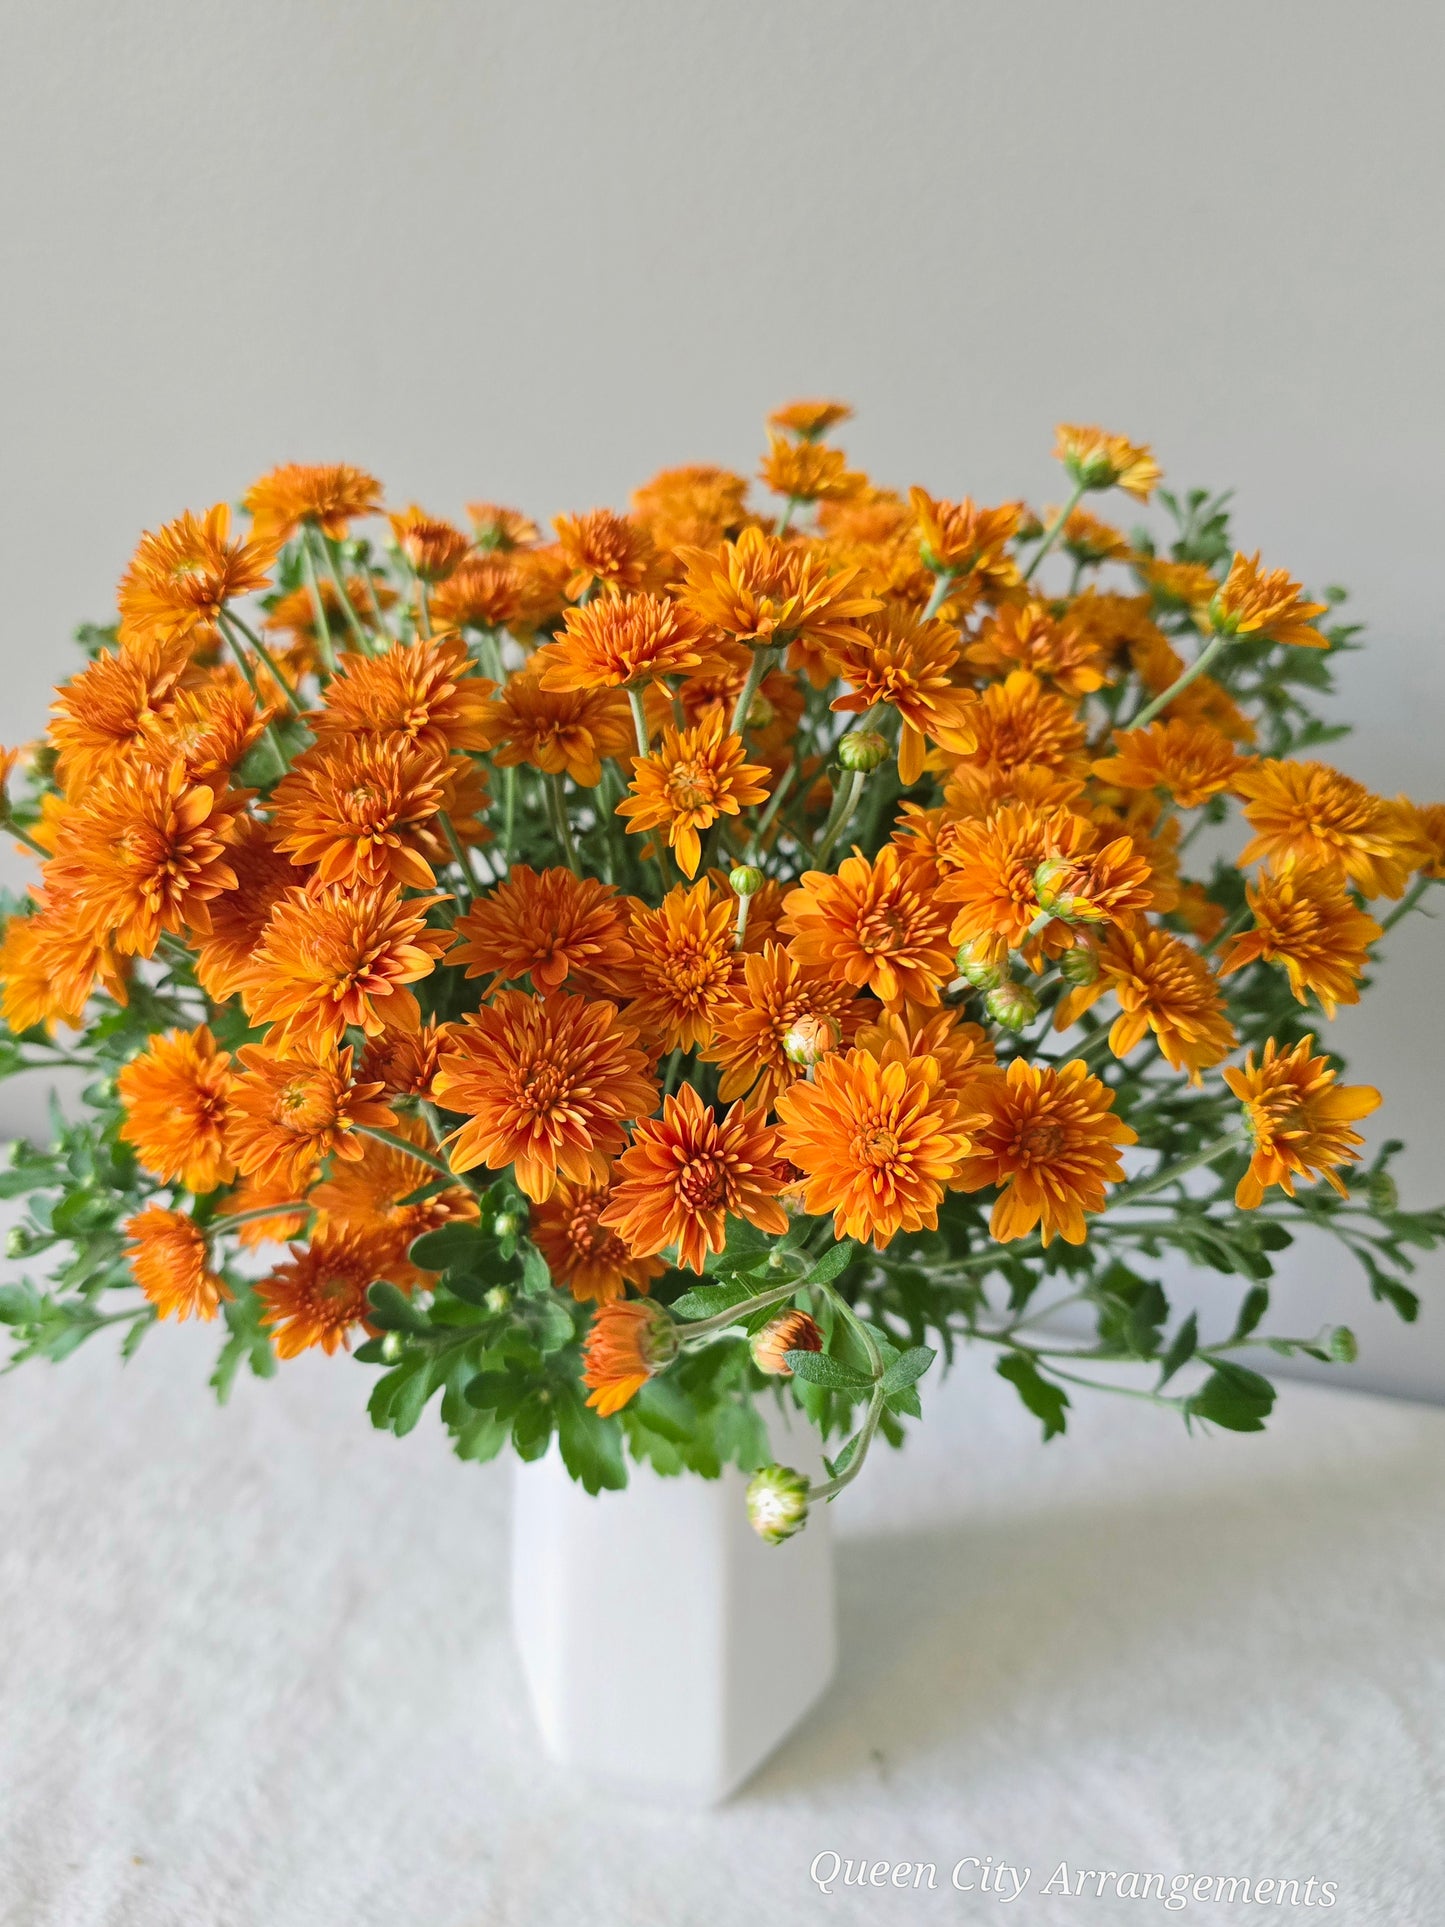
560, 823
830, 1488
324, 646
459, 856
844, 804
787, 515
1406, 903
338, 582
1181, 682
229, 1220
12, 828
1144, 1187
735, 1314
509, 812
765, 821
1226, 931
416, 1151
752, 682
239, 652
943, 581
1054, 530
639, 717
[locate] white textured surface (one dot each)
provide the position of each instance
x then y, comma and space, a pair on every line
254, 1670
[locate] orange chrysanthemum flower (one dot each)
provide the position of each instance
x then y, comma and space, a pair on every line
1164, 986
1100, 460
1025, 635
209, 726
695, 777
584, 1256
878, 1144
1019, 721
774, 1023
100, 718
548, 926
559, 731
630, 1341
1192, 761
351, 807
50, 963
255, 1194
320, 1296
618, 641
809, 471
686, 1171
498, 527
341, 956
425, 695
605, 552
287, 1113
328, 494
1325, 820
1428, 824
226, 952
696, 506
404, 1062
768, 592
872, 925
365, 1195
1298, 1120
181, 576
960, 1050
294, 614
1270, 606
963, 541
1306, 920
170, 1260
809, 419
683, 963
483, 592
1051, 1143
546, 1084
1088, 540
911, 666
433, 547
976, 790
176, 1099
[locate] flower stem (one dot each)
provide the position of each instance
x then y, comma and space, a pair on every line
358, 628
830, 1488
1406, 903
943, 581
559, 821
1055, 530
1143, 1187
1181, 682
844, 804
459, 854
639, 717
324, 646
417, 1151
757, 669
287, 1208
735, 1314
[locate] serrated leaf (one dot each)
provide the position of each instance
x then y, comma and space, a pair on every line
536, 1276
591, 1447
532, 1427
706, 1301
393, 1310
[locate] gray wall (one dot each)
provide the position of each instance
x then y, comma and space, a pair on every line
536, 251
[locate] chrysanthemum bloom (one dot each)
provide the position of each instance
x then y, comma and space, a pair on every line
765, 591
1164, 986
1100, 460
294, 614
1428, 823
878, 1144
365, 1195
1088, 540
684, 1172
911, 666
976, 790
1192, 761
180, 577
696, 506
176, 1099
50, 963
1024, 635
209, 726
683, 964
618, 641
496, 526
871, 925
328, 494
1306, 920
960, 1050
404, 1062
226, 952
1325, 820
809, 471
548, 926
484, 592
790, 1331
584, 1256
773, 715
559, 731
340, 956
1177, 585
606, 553
970, 543
1051, 1143
1298, 1120
1019, 721
100, 717
351, 807
287, 1113
256, 1194
809, 419
320, 1296
755, 1024
630, 1341
425, 695
433, 547
1270, 606
696, 776
546, 1084
170, 1260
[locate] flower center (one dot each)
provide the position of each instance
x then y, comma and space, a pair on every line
1042, 1141
691, 785
702, 1184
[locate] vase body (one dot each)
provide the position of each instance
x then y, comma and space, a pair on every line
666, 1648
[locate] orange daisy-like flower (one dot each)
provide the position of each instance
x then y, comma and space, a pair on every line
546, 1084
1100, 460
340, 956
809, 419
176, 1099
1051, 1143
911, 666
1192, 761
958, 539
1019, 721
1428, 822
630, 1341
872, 925
548, 926
1164, 986
320, 1296
1298, 1120
1325, 820
559, 731
1178, 585
50, 963
1025, 635
483, 592
352, 808
181, 576
774, 1023
1271, 606
1088, 540
209, 726
683, 960
328, 494
404, 1062
695, 777
695, 506
433, 547
767, 592
226, 951
287, 1113
959, 1049
686, 1171
425, 695
1306, 920
170, 1260
583, 1255
621, 640
976, 790
605, 552
809, 471
101, 717
878, 1144
498, 527
365, 1195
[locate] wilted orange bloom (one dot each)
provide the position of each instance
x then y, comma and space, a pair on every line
365, 1195
683, 964
424, 695
404, 1062
1088, 540
696, 776
351, 807
809, 471
559, 731
224, 954
1298, 1120
958, 539
1306, 920
911, 666
432, 547
100, 717
1271, 606
1099, 460
766, 591
776, 1021
977, 789
320, 1295
630, 1340
1193, 761
872, 925
878, 1144
483, 592
1164, 986
286, 1113
810, 418
498, 527
684, 1172
606, 553
695, 506
584, 1256
548, 926
176, 1100
180, 577
621, 640
546, 1084
1024, 635
171, 1262
50, 964
1019, 721
329, 494
1051, 1143
1325, 820
334, 957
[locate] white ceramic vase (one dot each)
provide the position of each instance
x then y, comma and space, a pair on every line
666, 1648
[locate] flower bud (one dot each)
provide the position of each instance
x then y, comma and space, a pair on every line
746, 880
497, 1299
1013, 1005
760, 712
1079, 966
1050, 881
777, 1503
17, 1242
975, 968
792, 1331
1383, 1192
862, 749
392, 1346
811, 1037
1094, 468
1342, 1346
507, 1224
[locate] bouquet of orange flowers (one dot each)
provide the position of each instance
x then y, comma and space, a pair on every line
724, 949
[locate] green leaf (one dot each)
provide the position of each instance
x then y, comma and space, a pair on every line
706, 1301
1047, 1401
532, 1427
1233, 1397
831, 1264
480, 1438
399, 1398
553, 1322
461, 1246
591, 1447
496, 1392
1181, 1349
393, 1310
907, 1367
19, 1304
817, 1368
1256, 1304
536, 1276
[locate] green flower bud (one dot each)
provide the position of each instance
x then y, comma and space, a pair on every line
392, 1346
746, 880
507, 1225
862, 749
1383, 1192
777, 1503
976, 969
809, 1039
760, 712
1013, 1005
17, 1242
1342, 1345
497, 1299
1079, 967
